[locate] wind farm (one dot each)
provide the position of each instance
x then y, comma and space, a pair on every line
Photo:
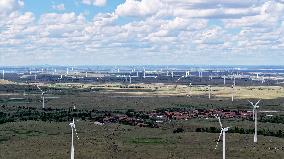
138, 79
123, 113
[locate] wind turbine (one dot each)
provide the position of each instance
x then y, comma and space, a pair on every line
254, 117
186, 73
234, 80
130, 79
42, 96
233, 93
3, 74
209, 93
224, 77
222, 133
73, 128
263, 80
190, 85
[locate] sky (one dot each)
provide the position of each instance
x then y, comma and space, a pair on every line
141, 32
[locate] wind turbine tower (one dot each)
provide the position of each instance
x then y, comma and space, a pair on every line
254, 116
73, 128
3, 74
233, 91
234, 80
42, 96
209, 93
190, 86
222, 133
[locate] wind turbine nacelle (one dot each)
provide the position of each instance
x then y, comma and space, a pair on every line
225, 129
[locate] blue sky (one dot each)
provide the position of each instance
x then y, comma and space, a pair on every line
121, 32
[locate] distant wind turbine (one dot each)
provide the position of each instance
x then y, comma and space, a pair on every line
254, 116
233, 91
234, 80
130, 79
209, 93
190, 86
3, 74
42, 96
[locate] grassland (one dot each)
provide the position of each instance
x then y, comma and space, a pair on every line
52, 140
37, 139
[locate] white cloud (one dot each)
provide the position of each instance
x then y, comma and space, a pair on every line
8, 6
59, 7
177, 29
138, 8
99, 3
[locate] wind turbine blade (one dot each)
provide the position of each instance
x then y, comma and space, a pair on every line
251, 102
218, 140
76, 133
257, 102
39, 88
220, 122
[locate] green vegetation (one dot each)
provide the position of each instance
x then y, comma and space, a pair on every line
28, 130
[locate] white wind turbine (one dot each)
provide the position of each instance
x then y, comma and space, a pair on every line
223, 132
233, 91
209, 93
234, 81
3, 74
224, 77
42, 96
254, 116
73, 128
190, 86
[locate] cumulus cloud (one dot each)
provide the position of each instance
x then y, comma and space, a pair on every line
99, 3
153, 28
8, 6
59, 7
138, 8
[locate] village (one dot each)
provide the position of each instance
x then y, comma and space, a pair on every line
156, 117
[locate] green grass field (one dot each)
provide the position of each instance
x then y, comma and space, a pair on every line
52, 140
